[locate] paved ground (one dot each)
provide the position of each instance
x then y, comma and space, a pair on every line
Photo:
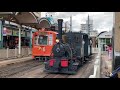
13, 61
106, 65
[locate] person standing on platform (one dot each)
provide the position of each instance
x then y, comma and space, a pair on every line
107, 48
110, 52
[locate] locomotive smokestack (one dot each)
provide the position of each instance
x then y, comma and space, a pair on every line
60, 21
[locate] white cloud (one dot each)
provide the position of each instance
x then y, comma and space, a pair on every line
103, 21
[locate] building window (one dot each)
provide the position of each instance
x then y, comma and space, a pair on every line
107, 41
104, 40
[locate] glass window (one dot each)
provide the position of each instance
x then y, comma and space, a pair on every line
36, 40
107, 41
50, 39
43, 40
103, 40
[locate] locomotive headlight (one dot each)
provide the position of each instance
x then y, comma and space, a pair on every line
57, 40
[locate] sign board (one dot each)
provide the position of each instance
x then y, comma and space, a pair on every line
23, 34
42, 33
28, 34
108, 36
15, 33
7, 31
0, 30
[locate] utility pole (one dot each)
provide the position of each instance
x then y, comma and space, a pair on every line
65, 26
88, 26
71, 23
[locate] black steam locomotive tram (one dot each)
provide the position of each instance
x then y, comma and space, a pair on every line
87, 46
68, 54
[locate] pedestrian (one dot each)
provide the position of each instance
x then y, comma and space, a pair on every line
110, 52
107, 49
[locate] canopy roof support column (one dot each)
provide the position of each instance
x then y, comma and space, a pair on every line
30, 37
19, 43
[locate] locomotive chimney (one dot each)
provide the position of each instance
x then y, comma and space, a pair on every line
60, 21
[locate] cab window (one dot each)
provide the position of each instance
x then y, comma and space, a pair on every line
43, 40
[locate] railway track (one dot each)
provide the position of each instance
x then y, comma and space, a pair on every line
35, 69
11, 70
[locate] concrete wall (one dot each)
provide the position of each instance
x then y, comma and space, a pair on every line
13, 53
117, 32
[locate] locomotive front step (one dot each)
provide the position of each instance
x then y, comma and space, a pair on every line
61, 72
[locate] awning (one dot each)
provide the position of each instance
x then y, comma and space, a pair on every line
23, 18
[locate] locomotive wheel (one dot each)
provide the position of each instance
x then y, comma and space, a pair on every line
85, 60
74, 67
46, 65
81, 62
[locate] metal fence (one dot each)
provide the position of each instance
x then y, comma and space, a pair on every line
13, 53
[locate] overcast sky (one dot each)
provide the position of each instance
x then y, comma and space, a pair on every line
102, 21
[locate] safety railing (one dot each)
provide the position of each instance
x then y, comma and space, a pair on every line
97, 65
13, 53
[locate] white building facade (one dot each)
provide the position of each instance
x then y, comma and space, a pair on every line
87, 28
104, 38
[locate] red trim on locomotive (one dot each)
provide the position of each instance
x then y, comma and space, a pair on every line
64, 63
52, 61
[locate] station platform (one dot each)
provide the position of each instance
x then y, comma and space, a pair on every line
13, 61
106, 65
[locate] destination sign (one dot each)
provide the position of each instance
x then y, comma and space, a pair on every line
42, 33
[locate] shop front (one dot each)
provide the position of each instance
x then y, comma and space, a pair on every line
24, 40
8, 40
29, 38
11, 38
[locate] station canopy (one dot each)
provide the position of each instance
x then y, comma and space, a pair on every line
22, 18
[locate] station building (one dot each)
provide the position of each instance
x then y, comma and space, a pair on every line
9, 35
104, 38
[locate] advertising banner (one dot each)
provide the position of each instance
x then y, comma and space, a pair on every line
28, 34
7, 31
15, 33
23, 34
